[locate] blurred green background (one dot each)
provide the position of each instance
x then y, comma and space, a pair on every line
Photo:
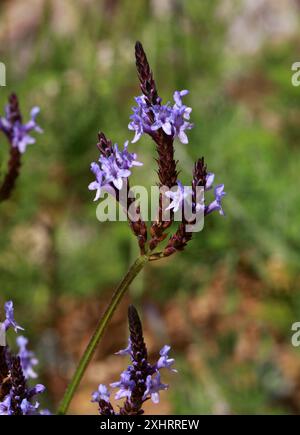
226, 304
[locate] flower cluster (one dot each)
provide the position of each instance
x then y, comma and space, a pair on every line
184, 193
141, 380
163, 123
112, 168
16, 397
18, 137
17, 132
173, 120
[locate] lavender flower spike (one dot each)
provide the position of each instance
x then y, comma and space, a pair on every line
141, 380
10, 322
16, 397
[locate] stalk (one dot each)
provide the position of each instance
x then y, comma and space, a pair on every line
134, 270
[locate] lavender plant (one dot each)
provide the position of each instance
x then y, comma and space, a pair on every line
163, 123
141, 380
18, 138
16, 396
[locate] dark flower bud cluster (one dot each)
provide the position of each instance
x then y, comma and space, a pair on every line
163, 123
19, 138
141, 380
16, 396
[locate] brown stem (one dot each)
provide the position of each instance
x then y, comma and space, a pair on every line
10, 178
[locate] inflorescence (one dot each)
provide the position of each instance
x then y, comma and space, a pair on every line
19, 138
141, 380
16, 396
163, 123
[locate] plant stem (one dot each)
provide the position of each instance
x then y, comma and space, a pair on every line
134, 270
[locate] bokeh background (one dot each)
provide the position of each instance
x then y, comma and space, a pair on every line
226, 304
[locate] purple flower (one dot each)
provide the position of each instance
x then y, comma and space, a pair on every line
37, 389
125, 385
216, 204
126, 351
141, 380
28, 408
181, 115
153, 386
96, 185
17, 132
28, 359
18, 368
125, 159
112, 169
209, 181
162, 118
101, 394
45, 412
164, 360
10, 322
177, 197
113, 173
5, 406
172, 120
140, 121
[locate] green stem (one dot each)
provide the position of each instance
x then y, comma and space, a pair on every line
94, 341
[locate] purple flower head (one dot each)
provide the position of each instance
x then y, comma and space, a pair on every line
10, 322
125, 385
153, 387
28, 359
141, 380
172, 120
217, 203
28, 408
164, 360
17, 132
125, 159
101, 394
177, 197
140, 121
17, 369
113, 173
112, 169
5, 406
162, 118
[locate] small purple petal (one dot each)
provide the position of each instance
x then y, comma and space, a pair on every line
10, 322
101, 394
